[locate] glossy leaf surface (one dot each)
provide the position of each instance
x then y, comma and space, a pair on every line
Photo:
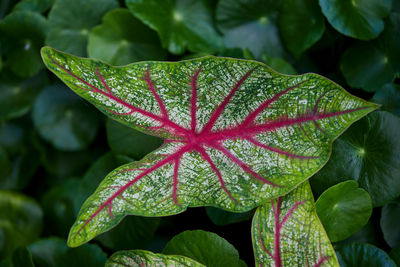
179, 23
148, 259
369, 153
122, 39
357, 18
343, 209
363, 255
236, 133
204, 247
287, 232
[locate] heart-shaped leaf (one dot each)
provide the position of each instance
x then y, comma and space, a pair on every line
287, 232
236, 133
144, 258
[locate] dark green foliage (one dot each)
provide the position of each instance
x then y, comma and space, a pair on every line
56, 148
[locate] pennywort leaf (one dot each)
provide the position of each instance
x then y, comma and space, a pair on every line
235, 133
287, 232
148, 259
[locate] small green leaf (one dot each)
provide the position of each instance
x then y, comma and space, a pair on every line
53, 252
301, 24
370, 65
71, 20
357, 18
22, 34
252, 25
205, 247
124, 140
123, 39
133, 258
369, 153
235, 133
222, 217
63, 119
389, 98
20, 221
39, 6
363, 255
179, 23
343, 209
287, 232
390, 218
17, 95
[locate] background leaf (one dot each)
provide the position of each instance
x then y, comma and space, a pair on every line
179, 23
71, 20
123, 39
343, 209
205, 247
361, 255
389, 223
368, 154
357, 19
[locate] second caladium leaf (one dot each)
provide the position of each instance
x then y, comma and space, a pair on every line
287, 232
235, 133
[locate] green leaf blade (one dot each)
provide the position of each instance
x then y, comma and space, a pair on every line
214, 154
287, 232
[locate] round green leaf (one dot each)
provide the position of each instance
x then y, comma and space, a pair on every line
122, 39
252, 25
127, 141
363, 255
71, 20
179, 23
17, 95
205, 247
64, 120
222, 217
22, 34
368, 234
54, 252
133, 258
235, 133
390, 218
389, 97
395, 255
362, 19
301, 24
20, 221
39, 6
369, 152
370, 65
343, 209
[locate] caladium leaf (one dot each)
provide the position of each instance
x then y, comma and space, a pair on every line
147, 258
287, 232
236, 133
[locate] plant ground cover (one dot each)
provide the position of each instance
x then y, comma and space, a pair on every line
240, 156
